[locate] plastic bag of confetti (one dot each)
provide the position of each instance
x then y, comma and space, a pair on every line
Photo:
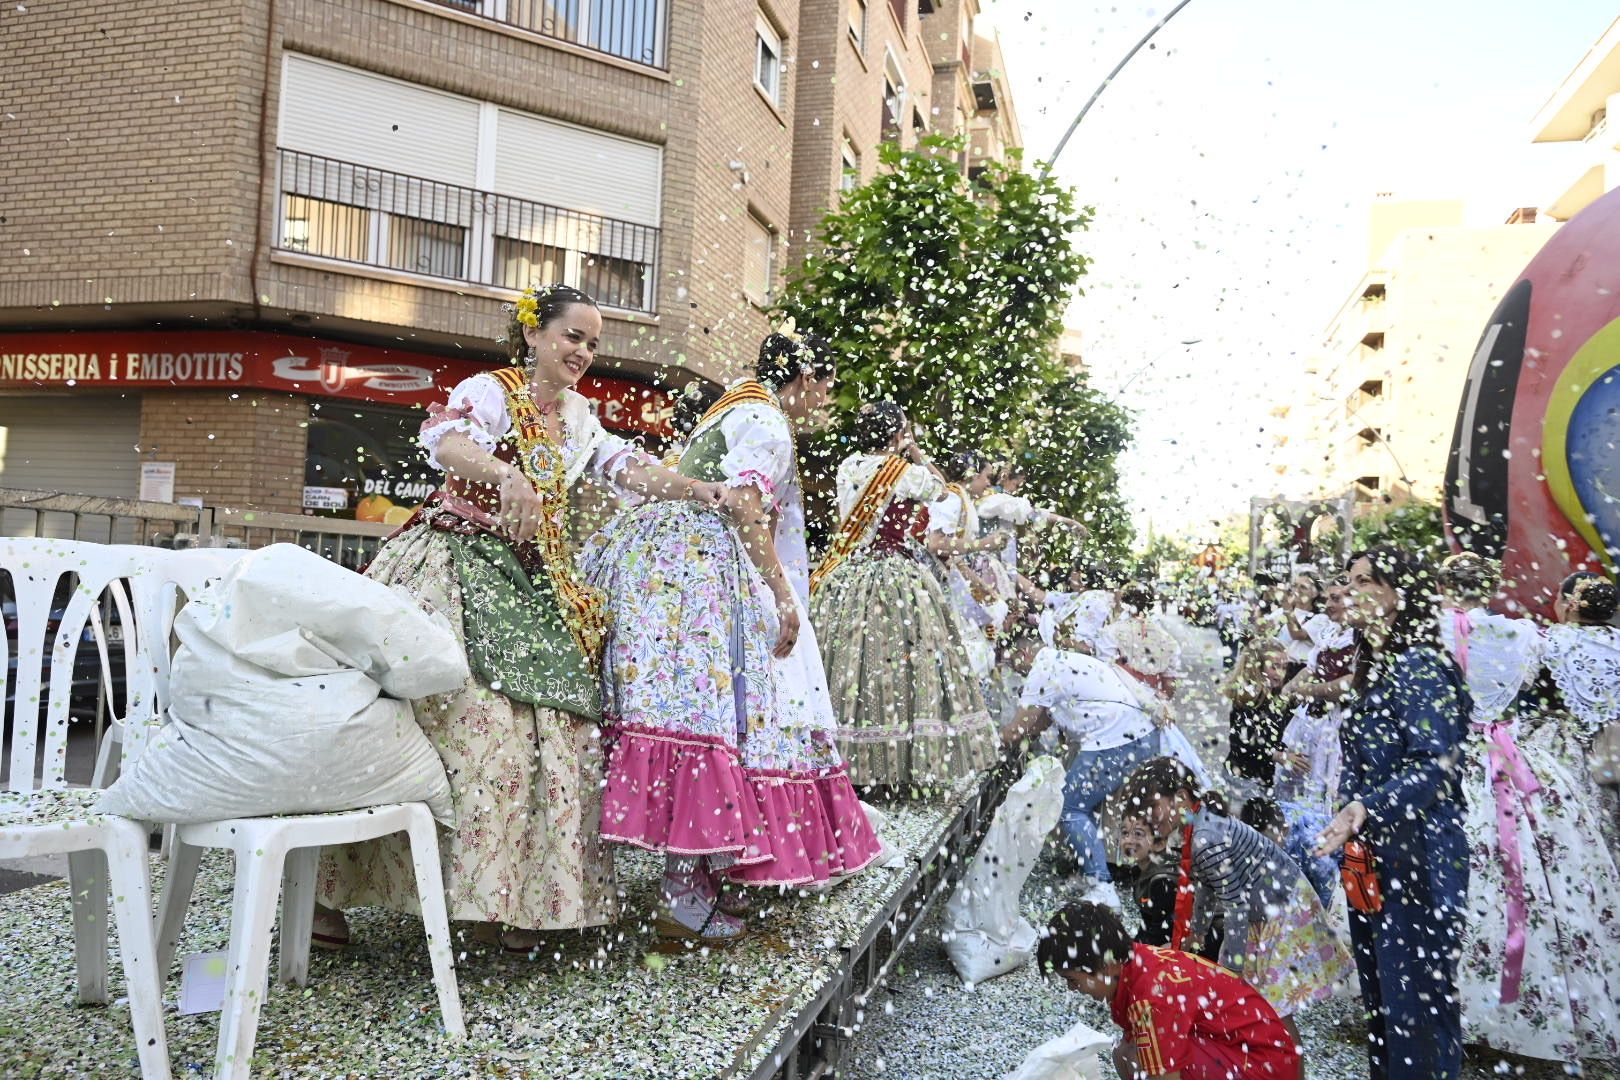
290, 694
1074, 1055
986, 935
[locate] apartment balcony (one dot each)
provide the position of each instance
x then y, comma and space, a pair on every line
634, 30
357, 216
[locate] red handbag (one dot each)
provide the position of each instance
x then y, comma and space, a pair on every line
1360, 877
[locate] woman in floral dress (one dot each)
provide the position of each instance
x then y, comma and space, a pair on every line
1540, 969
1581, 680
724, 755
910, 714
519, 739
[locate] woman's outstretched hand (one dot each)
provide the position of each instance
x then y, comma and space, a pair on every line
1344, 826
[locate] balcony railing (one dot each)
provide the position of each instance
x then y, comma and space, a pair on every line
372, 217
635, 30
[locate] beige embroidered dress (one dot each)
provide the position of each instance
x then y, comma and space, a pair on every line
520, 739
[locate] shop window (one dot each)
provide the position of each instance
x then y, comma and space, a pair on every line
364, 462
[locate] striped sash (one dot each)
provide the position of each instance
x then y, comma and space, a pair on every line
852, 530
745, 392
584, 608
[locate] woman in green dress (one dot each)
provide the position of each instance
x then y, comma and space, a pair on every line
520, 739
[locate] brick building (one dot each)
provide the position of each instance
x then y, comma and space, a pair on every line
251, 240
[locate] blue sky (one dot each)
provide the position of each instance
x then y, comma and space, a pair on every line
1232, 168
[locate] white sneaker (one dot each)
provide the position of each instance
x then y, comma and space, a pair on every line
1104, 893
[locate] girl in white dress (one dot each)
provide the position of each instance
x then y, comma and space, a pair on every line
1540, 968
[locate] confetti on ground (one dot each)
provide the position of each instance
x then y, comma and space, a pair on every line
582, 1006
927, 1027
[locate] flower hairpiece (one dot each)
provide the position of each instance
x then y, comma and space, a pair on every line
790, 330
527, 308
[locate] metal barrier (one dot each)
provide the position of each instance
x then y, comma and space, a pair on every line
64, 516
347, 543
357, 214
60, 515
818, 1034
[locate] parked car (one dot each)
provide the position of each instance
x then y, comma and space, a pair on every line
87, 673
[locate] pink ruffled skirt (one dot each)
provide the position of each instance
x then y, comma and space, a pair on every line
709, 751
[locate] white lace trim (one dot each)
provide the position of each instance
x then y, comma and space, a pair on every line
1585, 665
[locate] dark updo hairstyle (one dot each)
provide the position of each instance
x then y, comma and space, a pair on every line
876, 425
1594, 597
1470, 576
690, 406
1163, 778
782, 359
1083, 937
1263, 815
550, 302
1138, 596
963, 466
1417, 605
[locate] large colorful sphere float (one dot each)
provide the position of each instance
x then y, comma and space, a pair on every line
1534, 476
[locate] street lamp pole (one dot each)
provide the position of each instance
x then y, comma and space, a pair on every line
1047, 169
1186, 344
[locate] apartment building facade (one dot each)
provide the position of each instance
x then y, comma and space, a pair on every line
1389, 373
1585, 109
890, 71
257, 238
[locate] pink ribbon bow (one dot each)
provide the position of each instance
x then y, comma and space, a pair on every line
1464, 627
1514, 785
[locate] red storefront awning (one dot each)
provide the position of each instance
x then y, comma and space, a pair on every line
203, 359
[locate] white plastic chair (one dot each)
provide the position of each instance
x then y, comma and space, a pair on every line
46, 817
279, 856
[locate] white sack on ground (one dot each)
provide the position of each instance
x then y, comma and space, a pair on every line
986, 935
277, 699
1074, 1055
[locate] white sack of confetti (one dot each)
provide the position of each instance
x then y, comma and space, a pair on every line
1071, 1056
985, 934
291, 694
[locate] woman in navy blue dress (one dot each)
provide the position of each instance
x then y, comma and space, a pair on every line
1402, 749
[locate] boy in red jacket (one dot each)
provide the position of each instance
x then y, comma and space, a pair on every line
1184, 1018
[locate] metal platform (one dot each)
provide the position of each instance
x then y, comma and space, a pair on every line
811, 1041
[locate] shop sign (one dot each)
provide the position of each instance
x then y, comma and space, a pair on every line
268, 361
326, 498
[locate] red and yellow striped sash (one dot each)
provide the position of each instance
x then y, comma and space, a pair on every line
746, 392
852, 530
584, 609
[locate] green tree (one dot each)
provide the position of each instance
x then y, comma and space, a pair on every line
1069, 442
1414, 525
947, 296
943, 294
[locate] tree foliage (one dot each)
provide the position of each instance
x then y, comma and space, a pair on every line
947, 296
1415, 526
